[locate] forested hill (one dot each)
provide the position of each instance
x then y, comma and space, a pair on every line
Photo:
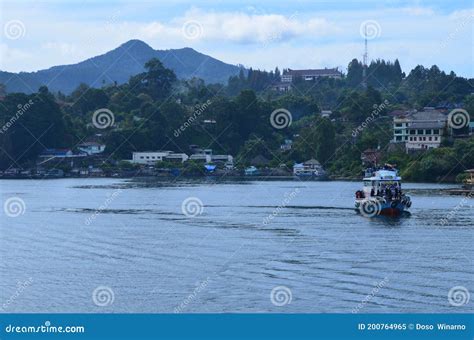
118, 66
154, 110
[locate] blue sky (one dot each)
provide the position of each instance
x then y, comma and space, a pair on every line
260, 34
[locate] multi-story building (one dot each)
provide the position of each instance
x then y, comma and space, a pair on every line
420, 130
290, 75
151, 157
206, 156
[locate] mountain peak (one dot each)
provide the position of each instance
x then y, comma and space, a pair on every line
118, 65
135, 45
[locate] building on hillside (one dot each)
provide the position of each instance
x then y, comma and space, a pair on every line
326, 113
282, 86
151, 157
290, 75
91, 148
287, 145
420, 130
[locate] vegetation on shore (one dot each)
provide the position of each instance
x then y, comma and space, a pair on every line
235, 118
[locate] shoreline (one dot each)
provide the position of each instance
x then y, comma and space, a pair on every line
220, 178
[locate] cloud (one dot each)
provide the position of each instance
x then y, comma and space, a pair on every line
243, 28
251, 36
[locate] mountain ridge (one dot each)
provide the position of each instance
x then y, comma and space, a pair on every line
118, 65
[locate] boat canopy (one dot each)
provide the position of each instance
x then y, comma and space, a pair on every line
384, 175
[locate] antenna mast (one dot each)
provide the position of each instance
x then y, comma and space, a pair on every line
365, 60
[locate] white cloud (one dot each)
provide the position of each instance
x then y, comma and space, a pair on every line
239, 27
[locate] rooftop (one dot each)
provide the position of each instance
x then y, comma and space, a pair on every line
428, 115
427, 125
313, 72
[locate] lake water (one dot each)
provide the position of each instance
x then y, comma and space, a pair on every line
112, 245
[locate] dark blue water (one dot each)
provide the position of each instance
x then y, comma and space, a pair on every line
105, 245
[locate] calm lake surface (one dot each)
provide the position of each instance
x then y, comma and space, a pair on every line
303, 240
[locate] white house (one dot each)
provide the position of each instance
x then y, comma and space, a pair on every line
91, 148
151, 157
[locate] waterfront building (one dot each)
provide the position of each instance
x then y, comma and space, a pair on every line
207, 156
309, 168
151, 157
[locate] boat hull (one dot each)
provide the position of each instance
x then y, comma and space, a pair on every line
374, 207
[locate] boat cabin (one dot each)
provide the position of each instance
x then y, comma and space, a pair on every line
382, 183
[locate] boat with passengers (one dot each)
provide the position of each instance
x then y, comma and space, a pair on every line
382, 193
